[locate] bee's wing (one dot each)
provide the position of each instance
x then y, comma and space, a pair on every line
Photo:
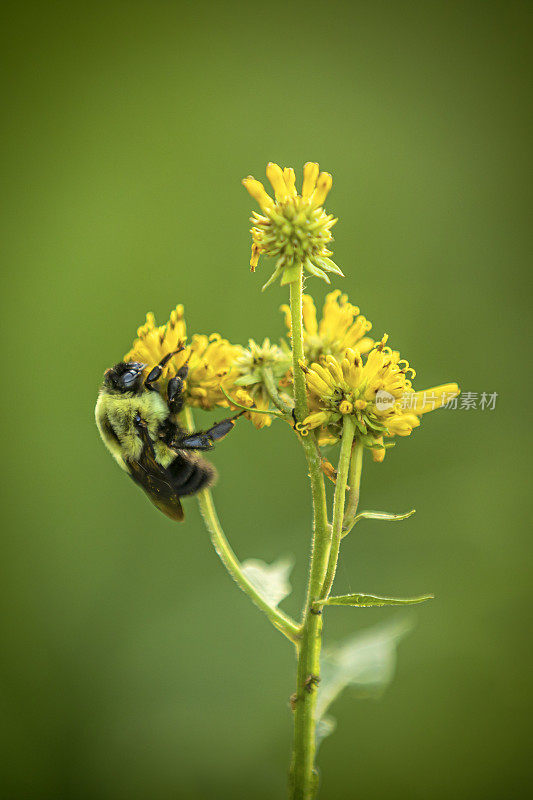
155, 480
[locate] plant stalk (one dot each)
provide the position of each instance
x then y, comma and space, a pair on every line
278, 618
348, 430
303, 775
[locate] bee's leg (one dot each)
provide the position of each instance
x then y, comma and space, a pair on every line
157, 371
175, 398
204, 440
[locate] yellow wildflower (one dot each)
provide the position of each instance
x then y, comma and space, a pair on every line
210, 359
341, 327
292, 228
375, 391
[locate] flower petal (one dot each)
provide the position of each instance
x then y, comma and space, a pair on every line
311, 170
431, 399
258, 192
323, 185
275, 176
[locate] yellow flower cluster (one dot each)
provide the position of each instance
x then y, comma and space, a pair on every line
211, 360
376, 392
346, 373
293, 228
342, 326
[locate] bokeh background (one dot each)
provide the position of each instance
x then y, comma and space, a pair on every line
132, 667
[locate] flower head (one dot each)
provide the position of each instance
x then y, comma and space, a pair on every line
375, 391
250, 366
210, 359
341, 327
292, 228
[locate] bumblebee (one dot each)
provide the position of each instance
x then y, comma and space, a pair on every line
141, 430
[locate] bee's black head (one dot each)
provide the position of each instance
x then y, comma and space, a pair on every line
127, 376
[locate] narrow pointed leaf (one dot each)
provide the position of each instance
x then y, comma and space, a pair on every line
329, 266
316, 271
370, 600
275, 275
351, 521
383, 515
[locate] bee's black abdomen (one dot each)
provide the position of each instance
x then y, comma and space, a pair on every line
181, 470
200, 479
190, 476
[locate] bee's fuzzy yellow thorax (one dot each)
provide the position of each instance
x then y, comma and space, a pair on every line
119, 411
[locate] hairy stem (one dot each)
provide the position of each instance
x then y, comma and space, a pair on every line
297, 341
348, 430
278, 618
303, 776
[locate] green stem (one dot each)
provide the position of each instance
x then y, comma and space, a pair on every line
350, 515
272, 391
303, 776
250, 409
297, 340
348, 430
278, 618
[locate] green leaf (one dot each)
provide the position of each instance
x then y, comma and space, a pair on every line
271, 581
370, 600
351, 521
290, 274
383, 515
329, 266
366, 661
316, 271
275, 275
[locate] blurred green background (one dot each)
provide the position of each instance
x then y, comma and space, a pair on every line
132, 667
